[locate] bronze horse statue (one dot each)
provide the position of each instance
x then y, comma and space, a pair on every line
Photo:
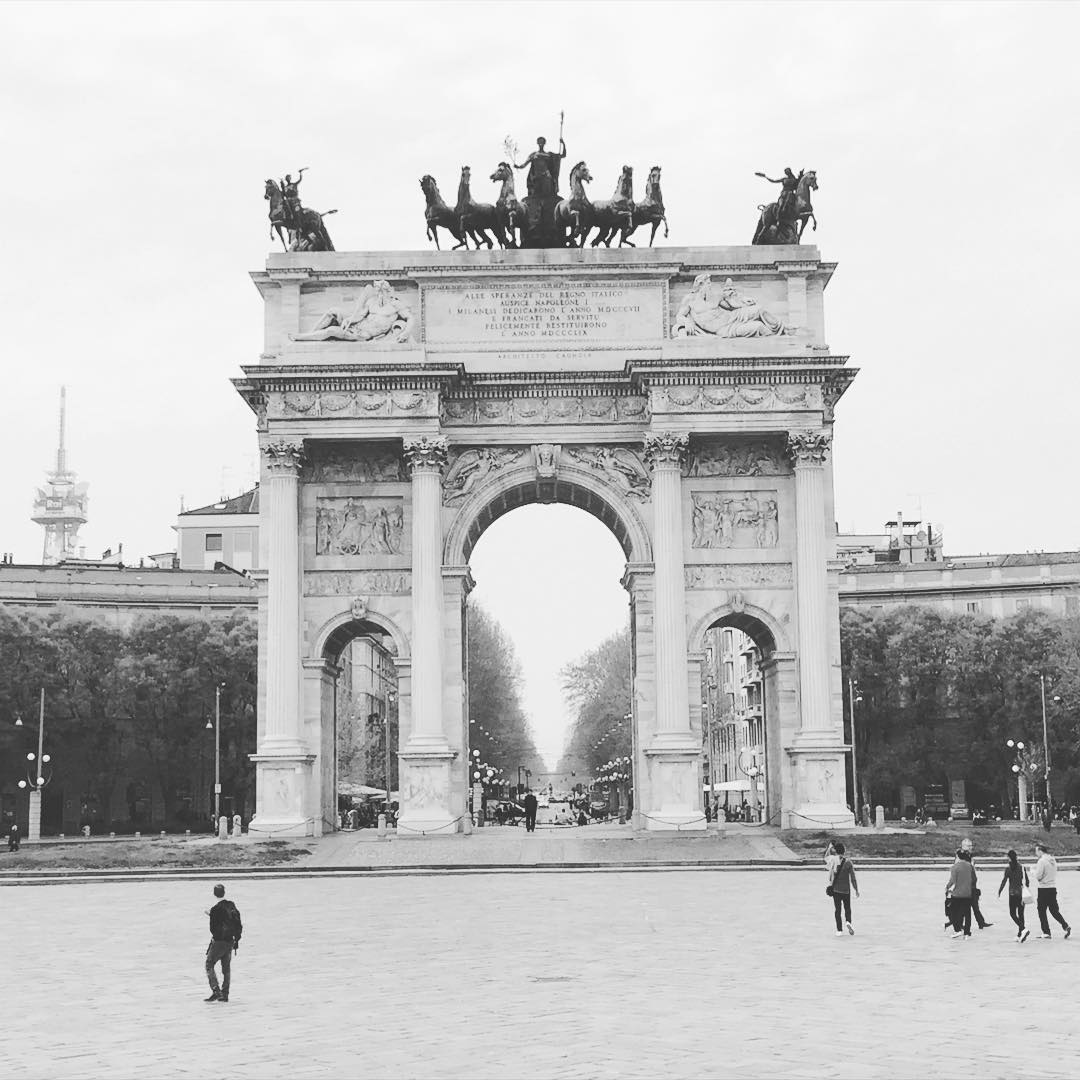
787, 228
649, 211
438, 215
508, 211
306, 230
474, 217
576, 213
617, 213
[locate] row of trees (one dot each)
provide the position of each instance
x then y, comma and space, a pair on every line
598, 688
939, 695
498, 725
127, 705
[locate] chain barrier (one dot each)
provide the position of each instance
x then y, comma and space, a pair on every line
816, 821
678, 826
284, 828
756, 824
430, 832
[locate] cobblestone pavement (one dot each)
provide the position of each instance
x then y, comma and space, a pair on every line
661, 974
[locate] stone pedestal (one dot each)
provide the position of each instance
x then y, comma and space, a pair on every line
425, 759
674, 754
33, 826
818, 751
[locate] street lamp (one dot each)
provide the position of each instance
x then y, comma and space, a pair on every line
35, 774
854, 697
1017, 746
216, 725
1048, 816
391, 697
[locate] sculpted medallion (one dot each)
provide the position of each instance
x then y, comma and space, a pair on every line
735, 519
352, 526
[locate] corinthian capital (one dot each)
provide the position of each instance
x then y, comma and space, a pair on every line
808, 447
428, 453
283, 457
666, 448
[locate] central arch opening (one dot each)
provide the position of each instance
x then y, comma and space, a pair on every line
546, 607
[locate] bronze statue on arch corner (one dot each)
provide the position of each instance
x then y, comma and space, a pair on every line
305, 228
783, 221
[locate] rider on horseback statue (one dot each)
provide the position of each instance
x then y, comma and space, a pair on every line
789, 184
290, 189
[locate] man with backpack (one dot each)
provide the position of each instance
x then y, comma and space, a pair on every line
225, 931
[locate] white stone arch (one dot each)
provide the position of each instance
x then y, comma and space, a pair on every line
345, 621
503, 491
742, 619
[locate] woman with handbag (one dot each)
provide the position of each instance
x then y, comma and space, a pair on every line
841, 883
1016, 877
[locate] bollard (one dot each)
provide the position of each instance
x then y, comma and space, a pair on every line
466, 823
112, 835
381, 830
162, 834
879, 817
61, 836
138, 835
187, 832
223, 828
237, 826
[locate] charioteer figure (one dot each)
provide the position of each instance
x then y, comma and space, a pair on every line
543, 165
789, 185
290, 189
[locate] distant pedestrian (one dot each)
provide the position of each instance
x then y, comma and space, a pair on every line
225, 931
842, 881
14, 837
961, 888
966, 845
1016, 877
1046, 879
530, 804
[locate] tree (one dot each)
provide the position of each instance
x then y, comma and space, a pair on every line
598, 687
498, 725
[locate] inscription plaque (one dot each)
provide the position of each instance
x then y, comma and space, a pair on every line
537, 314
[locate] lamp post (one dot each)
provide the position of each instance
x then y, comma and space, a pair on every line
1049, 814
853, 697
1017, 746
35, 778
216, 725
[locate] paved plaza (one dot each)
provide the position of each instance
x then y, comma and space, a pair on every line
545, 974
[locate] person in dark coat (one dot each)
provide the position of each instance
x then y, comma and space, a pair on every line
225, 931
530, 804
14, 837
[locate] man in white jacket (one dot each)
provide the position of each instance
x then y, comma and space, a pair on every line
1046, 878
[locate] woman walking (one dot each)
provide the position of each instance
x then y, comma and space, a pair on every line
1016, 877
841, 882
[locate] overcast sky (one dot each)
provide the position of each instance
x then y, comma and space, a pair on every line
137, 138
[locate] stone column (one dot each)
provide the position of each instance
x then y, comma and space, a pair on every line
279, 493
283, 783
817, 752
674, 754
425, 759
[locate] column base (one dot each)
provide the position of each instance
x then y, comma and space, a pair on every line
424, 809
674, 776
283, 795
818, 764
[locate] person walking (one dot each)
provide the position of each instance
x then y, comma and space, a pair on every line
529, 802
961, 888
842, 881
225, 931
14, 837
966, 845
1046, 879
1016, 877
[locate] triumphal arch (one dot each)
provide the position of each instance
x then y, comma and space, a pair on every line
683, 396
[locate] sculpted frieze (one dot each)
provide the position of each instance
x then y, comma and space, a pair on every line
378, 315
721, 311
726, 575
583, 409
361, 463
353, 403
737, 398
352, 526
621, 466
354, 582
721, 457
734, 519
468, 467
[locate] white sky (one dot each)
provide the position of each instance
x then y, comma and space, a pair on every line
137, 138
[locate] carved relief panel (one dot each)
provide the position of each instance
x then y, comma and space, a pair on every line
355, 462
738, 457
622, 466
469, 466
735, 519
355, 526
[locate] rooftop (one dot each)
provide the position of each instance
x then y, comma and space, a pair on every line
247, 503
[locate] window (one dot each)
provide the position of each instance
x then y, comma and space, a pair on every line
213, 541
974, 607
